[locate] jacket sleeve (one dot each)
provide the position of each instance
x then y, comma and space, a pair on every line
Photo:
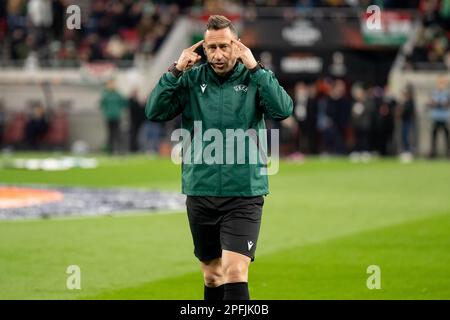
102, 102
275, 101
167, 98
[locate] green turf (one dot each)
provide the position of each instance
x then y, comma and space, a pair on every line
136, 171
329, 270
323, 224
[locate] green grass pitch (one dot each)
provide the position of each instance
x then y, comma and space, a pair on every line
324, 223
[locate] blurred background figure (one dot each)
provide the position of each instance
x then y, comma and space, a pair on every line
311, 120
112, 103
383, 121
40, 16
153, 133
325, 124
339, 109
300, 115
36, 126
305, 113
137, 118
361, 123
2, 122
440, 114
406, 114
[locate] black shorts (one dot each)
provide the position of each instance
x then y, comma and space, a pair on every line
224, 223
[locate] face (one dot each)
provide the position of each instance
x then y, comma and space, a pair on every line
301, 90
111, 85
38, 111
359, 93
219, 50
442, 83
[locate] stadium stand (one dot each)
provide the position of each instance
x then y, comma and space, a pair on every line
432, 50
112, 30
15, 129
354, 81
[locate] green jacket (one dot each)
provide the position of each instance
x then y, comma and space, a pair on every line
239, 102
112, 104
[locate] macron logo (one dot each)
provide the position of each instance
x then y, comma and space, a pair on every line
203, 87
250, 245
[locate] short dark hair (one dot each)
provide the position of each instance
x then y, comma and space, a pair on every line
218, 22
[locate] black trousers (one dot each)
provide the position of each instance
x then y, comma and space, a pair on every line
439, 126
2, 129
113, 136
361, 139
134, 132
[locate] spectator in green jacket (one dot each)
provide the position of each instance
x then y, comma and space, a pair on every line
112, 103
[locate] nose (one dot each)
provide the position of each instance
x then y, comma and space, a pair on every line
218, 55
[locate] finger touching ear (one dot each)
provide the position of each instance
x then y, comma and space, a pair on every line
235, 45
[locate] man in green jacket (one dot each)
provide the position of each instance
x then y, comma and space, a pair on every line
111, 104
231, 93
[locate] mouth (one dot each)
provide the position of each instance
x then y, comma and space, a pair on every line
219, 65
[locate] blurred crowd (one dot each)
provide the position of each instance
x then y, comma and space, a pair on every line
39, 127
33, 31
45, 126
332, 117
334, 3
115, 30
432, 49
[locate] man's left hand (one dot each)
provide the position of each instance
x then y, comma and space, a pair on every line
245, 54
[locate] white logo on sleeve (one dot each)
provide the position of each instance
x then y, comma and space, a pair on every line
250, 245
203, 87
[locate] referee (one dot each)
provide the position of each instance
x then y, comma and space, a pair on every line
224, 201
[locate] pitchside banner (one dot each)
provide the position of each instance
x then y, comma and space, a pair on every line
309, 64
395, 28
328, 33
304, 49
274, 34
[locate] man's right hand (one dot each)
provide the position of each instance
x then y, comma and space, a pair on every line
188, 57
